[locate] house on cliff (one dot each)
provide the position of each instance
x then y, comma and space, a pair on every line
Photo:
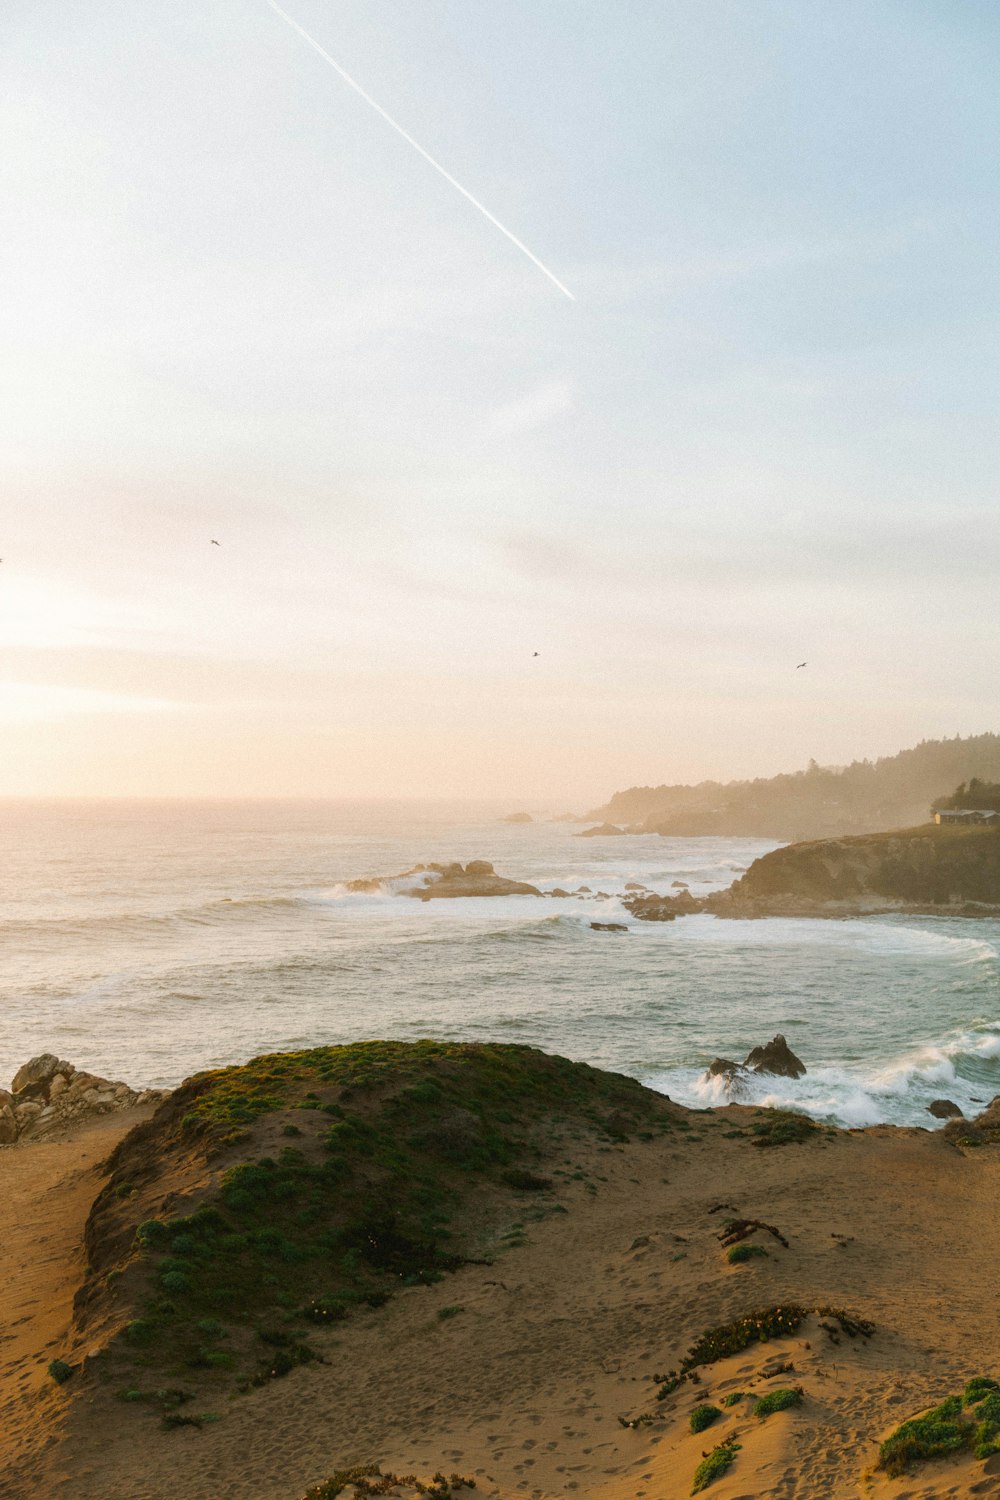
967, 815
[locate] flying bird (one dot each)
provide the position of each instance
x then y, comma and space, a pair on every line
215, 543
534, 653
801, 665
418, 148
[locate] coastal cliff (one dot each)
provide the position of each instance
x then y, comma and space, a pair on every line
932, 869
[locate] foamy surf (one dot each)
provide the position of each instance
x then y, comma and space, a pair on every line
965, 1068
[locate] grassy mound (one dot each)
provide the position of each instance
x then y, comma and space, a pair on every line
265, 1199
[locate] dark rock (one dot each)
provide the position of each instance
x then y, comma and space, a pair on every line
944, 1109
678, 885
478, 878
653, 908
559, 892
723, 1067
8, 1120
602, 831
32, 1080
633, 885
583, 890
777, 1058
609, 926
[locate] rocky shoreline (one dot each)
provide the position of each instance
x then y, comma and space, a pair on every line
48, 1094
924, 871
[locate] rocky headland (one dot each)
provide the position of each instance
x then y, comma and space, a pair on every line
931, 869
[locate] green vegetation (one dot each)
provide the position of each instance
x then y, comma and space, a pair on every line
733, 1398
784, 1127
404, 1141
736, 1254
754, 1328
983, 796
715, 1464
978, 1387
368, 1479
968, 1423
60, 1371
779, 1400
703, 1416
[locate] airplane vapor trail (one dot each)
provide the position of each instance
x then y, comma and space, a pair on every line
417, 147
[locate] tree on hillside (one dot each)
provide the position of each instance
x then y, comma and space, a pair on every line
983, 796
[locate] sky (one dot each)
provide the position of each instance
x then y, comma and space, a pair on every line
236, 305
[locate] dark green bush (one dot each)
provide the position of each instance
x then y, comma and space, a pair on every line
779, 1400
703, 1416
736, 1254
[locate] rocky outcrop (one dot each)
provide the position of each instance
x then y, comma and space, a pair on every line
609, 927
477, 878
653, 908
775, 1058
47, 1094
929, 869
435, 882
944, 1109
602, 831
521, 817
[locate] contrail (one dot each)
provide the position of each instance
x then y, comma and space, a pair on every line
417, 147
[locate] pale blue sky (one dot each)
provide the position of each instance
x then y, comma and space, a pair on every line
235, 304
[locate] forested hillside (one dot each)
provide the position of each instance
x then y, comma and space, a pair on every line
893, 792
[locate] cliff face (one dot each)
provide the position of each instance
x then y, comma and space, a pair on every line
925, 868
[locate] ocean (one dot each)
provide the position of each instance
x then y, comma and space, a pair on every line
148, 941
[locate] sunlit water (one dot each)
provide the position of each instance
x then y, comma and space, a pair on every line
147, 942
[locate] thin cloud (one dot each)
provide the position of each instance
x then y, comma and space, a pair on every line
33, 702
535, 409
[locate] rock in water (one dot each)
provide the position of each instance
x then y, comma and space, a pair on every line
776, 1057
602, 831
944, 1109
609, 927
722, 1067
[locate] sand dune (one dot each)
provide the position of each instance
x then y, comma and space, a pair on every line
526, 1387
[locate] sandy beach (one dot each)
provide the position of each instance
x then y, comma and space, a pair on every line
524, 1383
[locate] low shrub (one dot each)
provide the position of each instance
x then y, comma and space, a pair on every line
779, 1400
702, 1417
737, 1254
715, 1464
60, 1371
950, 1427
